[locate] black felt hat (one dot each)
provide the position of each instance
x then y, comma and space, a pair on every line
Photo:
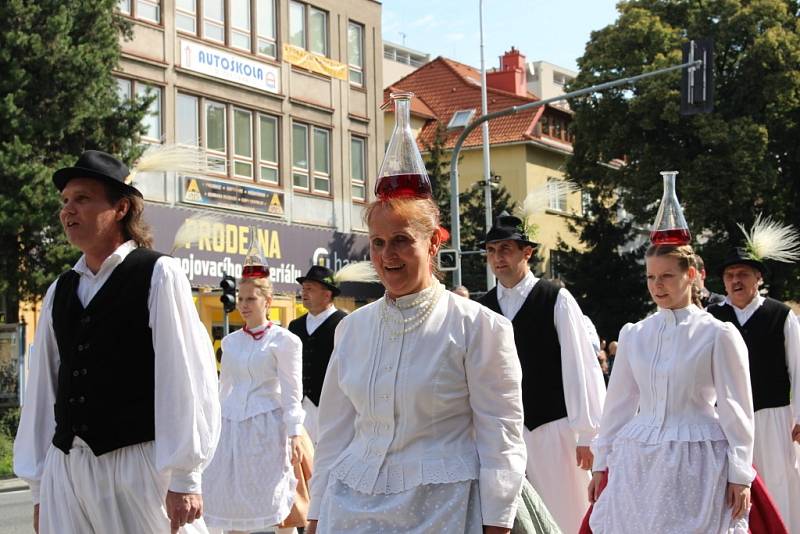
98, 165
508, 227
741, 256
323, 275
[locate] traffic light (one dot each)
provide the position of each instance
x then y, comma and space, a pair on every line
697, 83
447, 260
228, 298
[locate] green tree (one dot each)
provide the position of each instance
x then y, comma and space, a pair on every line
58, 98
740, 160
472, 209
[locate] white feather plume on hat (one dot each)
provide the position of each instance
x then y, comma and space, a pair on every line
770, 240
538, 200
174, 158
357, 271
193, 230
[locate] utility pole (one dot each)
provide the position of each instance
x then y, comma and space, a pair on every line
487, 177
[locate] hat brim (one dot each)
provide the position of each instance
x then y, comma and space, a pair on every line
62, 176
523, 241
760, 267
335, 290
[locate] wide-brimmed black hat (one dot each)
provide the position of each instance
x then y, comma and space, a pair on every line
98, 165
741, 256
323, 275
508, 227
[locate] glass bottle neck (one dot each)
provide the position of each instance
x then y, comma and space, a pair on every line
402, 112
669, 183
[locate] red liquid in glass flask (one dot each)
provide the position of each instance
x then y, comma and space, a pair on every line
677, 236
255, 271
403, 185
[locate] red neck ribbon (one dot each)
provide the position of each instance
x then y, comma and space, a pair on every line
257, 334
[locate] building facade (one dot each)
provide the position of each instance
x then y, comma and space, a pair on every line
284, 97
399, 61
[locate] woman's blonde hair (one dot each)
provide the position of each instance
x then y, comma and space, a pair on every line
262, 285
422, 215
685, 256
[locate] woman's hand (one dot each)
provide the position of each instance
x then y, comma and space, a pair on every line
584, 457
594, 486
488, 529
796, 433
738, 498
312, 527
297, 450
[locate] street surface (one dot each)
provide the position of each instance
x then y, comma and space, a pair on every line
16, 512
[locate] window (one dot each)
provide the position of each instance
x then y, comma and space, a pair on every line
265, 13
250, 151
358, 172
216, 136
557, 127
461, 118
586, 203
302, 17
311, 141
152, 122
187, 120
556, 195
186, 15
142, 9
268, 149
355, 52
240, 24
214, 20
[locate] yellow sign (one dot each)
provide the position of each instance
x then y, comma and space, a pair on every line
314, 62
275, 207
193, 191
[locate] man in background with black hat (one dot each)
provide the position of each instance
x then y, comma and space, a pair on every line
562, 384
772, 334
316, 329
121, 412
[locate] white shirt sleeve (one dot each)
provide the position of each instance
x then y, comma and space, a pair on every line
289, 359
791, 337
731, 374
621, 404
37, 423
336, 426
494, 379
187, 410
584, 387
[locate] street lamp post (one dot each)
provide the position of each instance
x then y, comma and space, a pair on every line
487, 178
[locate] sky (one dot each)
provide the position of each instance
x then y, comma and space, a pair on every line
555, 31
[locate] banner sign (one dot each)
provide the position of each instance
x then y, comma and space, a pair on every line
314, 62
239, 197
223, 240
232, 67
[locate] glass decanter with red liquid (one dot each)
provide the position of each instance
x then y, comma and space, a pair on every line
254, 264
670, 226
402, 173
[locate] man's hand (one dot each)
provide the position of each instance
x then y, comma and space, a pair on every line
36, 518
796, 433
488, 529
183, 508
584, 457
297, 450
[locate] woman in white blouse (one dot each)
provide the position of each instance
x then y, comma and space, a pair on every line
677, 430
420, 415
250, 483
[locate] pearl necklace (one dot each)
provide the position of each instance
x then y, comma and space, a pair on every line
426, 301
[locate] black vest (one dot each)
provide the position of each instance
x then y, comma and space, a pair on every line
317, 349
763, 335
106, 390
539, 353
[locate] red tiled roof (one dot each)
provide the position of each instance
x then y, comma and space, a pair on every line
418, 105
444, 86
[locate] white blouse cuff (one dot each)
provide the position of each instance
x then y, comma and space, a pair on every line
499, 489
295, 429
585, 438
186, 481
740, 472
35, 486
600, 462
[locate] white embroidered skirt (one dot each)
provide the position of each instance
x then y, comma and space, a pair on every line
249, 483
454, 508
673, 487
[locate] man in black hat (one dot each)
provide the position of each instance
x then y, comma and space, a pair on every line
121, 411
770, 330
316, 329
562, 384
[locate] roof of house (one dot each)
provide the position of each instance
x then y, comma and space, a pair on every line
443, 87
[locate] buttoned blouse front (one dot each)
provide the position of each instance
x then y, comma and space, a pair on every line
680, 375
437, 404
261, 375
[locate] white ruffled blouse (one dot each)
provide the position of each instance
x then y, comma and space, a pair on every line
438, 404
680, 375
261, 375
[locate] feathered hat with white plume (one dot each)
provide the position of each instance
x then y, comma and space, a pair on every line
358, 271
766, 240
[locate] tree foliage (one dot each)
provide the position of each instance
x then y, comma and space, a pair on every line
472, 209
57, 98
740, 160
